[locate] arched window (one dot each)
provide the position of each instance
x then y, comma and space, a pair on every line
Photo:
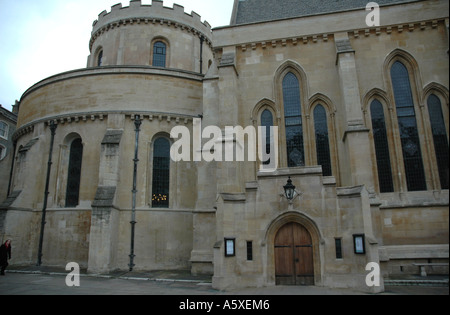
412, 155
381, 147
74, 173
322, 142
161, 173
293, 121
267, 122
159, 54
439, 138
100, 58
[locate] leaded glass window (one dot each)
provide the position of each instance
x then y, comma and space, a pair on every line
439, 138
267, 122
293, 121
159, 54
381, 147
161, 173
74, 173
412, 155
322, 141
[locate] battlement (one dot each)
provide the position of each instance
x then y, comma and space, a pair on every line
151, 13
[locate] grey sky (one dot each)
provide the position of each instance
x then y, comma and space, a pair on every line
41, 38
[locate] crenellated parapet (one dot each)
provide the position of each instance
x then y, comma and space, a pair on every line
138, 13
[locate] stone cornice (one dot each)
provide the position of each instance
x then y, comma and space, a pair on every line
84, 117
355, 34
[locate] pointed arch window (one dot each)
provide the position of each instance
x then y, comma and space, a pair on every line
381, 147
439, 138
161, 173
406, 116
267, 122
159, 54
322, 141
74, 173
293, 121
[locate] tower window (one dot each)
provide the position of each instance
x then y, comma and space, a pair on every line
159, 54
100, 58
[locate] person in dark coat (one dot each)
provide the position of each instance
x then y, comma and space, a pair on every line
5, 254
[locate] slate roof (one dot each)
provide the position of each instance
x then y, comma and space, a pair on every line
251, 11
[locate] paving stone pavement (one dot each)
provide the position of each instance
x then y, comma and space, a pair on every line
48, 281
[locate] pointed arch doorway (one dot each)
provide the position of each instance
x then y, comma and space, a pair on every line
294, 260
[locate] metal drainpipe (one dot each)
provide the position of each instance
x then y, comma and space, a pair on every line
137, 123
12, 167
47, 182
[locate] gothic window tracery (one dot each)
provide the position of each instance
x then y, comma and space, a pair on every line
293, 121
407, 124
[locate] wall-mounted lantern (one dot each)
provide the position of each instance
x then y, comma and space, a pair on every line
290, 192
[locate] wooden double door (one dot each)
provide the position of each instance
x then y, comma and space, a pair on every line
294, 263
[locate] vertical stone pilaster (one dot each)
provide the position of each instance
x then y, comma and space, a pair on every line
105, 216
104, 232
356, 134
228, 174
204, 218
355, 202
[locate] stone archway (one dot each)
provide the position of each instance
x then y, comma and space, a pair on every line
293, 251
298, 221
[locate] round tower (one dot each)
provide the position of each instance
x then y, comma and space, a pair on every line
151, 35
147, 66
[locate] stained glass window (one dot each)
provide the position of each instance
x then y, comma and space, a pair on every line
322, 141
439, 138
74, 173
381, 147
161, 173
159, 54
412, 154
293, 121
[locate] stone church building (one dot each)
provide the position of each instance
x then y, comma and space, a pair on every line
361, 113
